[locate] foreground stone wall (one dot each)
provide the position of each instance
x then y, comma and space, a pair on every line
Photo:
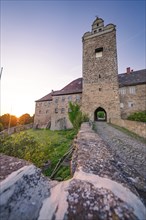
97, 190
138, 128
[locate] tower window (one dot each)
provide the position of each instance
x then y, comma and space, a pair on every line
99, 76
98, 52
100, 29
99, 89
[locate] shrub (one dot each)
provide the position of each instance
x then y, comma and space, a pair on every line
76, 116
138, 116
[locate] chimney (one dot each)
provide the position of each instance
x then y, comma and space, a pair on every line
128, 70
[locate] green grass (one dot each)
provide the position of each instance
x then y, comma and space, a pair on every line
39, 146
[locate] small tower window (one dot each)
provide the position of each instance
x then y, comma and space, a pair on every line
99, 89
99, 76
98, 52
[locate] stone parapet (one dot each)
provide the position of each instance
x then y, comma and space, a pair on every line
137, 127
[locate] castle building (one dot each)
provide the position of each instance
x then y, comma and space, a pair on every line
100, 89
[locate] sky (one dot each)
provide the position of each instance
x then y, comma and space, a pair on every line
41, 45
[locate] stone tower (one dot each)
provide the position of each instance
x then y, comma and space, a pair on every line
100, 79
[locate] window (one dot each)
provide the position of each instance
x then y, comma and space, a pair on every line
39, 111
56, 100
98, 52
69, 98
95, 31
63, 98
99, 89
130, 104
132, 89
122, 91
62, 110
56, 110
100, 29
121, 105
77, 98
99, 76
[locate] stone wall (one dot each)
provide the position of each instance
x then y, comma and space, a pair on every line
98, 189
60, 108
133, 99
16, 129
138, 128
42, 117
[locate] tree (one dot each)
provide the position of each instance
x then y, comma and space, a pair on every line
25, 119
1, 127
7, 120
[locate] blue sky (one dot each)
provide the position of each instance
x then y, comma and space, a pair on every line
41, 45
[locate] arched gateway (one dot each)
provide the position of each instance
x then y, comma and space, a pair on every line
100, 114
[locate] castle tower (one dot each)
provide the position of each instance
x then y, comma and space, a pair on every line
100, 79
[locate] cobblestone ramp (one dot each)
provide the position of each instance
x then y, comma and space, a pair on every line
125, 148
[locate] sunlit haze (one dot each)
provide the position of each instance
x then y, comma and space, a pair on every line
41, 45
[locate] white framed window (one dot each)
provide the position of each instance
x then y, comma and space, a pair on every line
122, 91
121, 105
130, 104
132, 89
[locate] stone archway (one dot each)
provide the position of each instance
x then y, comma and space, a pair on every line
100, 114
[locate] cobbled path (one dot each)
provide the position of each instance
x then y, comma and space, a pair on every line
128, 149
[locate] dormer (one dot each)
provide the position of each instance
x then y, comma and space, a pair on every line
98, 25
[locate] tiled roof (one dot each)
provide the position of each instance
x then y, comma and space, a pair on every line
45, 98
73, 87
132, 78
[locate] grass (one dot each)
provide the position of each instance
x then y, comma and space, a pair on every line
40, 146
